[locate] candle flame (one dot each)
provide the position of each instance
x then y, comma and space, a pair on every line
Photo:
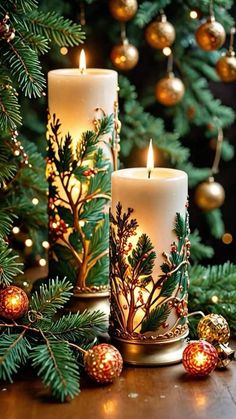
150, 159
82, 62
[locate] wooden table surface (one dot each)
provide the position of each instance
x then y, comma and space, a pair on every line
163, 393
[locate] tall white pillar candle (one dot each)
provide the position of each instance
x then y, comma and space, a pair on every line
79, 182
149, 300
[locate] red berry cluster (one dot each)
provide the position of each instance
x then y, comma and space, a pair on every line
90, 172
57, 228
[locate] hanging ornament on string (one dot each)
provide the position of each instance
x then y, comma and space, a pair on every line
226, 65
161, 33
124, 56
210, 35
170, 89
123, 10
210, 194
13, 302
102, 362
200, 358
6, 32
213, 328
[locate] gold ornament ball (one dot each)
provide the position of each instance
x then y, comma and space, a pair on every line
123, 10
209, 195
210, 35
160, 34
214, 328
169, 90
103, 363
124, 56
226, 67
225, 355
13, 302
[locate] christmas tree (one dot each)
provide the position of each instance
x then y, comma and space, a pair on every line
175, 125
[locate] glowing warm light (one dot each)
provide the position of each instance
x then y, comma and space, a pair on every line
82, 62
15, 230
63, 50
54, 225
14, 300
193, 14
42, 262
28, 242
45, 244
200, 359
166, 51
227, 238
150, 159
215, 299
35, 201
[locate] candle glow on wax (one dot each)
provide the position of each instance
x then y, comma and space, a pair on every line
150, 159
82, 62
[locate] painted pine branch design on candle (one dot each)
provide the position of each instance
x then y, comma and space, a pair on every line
141, 304
79, 195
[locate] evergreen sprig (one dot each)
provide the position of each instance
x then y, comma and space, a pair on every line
51, 346
212, 290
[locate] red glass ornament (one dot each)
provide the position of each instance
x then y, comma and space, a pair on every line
103, 363
13, 302
200, 358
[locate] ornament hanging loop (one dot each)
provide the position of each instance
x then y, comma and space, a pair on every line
170, 64
211, 9
231, 42
220, 137
123, 32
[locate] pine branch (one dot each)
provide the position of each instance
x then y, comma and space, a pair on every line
148, 10
215, 222
155, 319
25, 68
57, 367
9, 106
212, 289
72, 327
198, 249
55, 28
14, 350
9, 267
51, 297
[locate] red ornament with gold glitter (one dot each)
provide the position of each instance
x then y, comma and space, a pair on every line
200, 358
103, 363
13, 302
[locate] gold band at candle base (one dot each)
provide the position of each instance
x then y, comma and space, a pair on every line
91, 302
151, 354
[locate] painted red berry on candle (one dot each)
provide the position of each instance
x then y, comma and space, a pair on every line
13, 302
103, 363
200, 358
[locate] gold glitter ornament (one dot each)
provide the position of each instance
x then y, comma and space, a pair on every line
214, 329
169, 90
123, 10
225, 356
226, 67
13, 302
209, 195
103, 363
161, 33
211, 35
124, 56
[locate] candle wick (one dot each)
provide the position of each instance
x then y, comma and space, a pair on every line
149, 173
82, 70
